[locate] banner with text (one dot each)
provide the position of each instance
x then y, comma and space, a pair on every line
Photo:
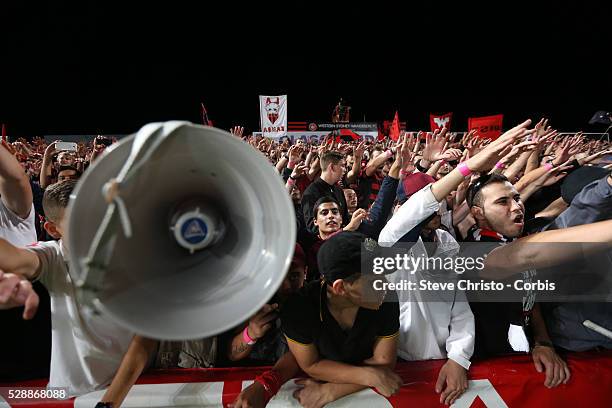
487, 127
273, 115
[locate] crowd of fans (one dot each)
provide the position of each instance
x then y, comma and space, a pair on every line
432, 190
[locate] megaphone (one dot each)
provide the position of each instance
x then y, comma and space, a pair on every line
179, 232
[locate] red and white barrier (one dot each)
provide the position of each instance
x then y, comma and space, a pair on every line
497, 383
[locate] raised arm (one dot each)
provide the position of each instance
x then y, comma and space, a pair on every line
525, 253
15, 189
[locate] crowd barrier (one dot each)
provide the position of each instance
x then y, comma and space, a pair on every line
510, 381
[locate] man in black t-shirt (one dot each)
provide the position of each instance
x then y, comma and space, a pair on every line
332, 170
340, 330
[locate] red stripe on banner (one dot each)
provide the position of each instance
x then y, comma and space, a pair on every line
231, 389
296, 123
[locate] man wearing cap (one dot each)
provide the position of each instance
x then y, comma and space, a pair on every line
341, 331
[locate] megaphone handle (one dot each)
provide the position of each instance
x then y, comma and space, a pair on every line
110, 191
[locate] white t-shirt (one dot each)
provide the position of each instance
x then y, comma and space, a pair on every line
16, 230
86, 349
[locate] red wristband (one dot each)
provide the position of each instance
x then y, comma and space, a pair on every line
271, 383
290, 182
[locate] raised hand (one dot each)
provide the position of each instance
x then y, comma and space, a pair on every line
262, 321
299, 170
435, 144
358, 216
485, 159
237, 131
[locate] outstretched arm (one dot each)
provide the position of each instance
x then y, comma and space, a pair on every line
15, 190
525, 253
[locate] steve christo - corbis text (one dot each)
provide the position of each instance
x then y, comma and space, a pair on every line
464, 285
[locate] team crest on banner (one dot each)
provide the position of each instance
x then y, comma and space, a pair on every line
437, 122
273, 115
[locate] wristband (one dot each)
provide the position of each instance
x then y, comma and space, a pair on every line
291, 165
548, 166
500, 165
463, 169
271, 383
246, 338
389, 154
405, 172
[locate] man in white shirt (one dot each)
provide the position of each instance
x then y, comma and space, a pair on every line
435, 325
86, 348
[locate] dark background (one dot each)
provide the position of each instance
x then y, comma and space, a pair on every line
88, 67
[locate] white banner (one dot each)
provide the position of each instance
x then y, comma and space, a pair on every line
317, 137
273, 115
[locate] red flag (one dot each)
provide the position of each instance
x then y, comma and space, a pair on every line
205, 120
437, 122
394, 132
487, 127
3, 133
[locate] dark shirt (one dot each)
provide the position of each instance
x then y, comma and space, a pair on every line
307, 320
369, 186
492, 319
316, 190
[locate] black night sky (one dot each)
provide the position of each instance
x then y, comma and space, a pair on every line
88, 67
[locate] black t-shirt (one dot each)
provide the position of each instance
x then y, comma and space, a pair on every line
492, 319
317, 189
307, 320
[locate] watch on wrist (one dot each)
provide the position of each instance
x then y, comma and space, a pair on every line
104, 405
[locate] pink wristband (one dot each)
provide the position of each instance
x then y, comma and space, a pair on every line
290, 165
389, 153
548, 166
290, 182
500, 165
247, 339
463, 169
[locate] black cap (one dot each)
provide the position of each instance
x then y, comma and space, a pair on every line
578, 179
340, 256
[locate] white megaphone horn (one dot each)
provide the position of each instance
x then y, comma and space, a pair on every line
180, 232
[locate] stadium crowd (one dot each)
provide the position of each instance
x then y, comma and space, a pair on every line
430, 190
